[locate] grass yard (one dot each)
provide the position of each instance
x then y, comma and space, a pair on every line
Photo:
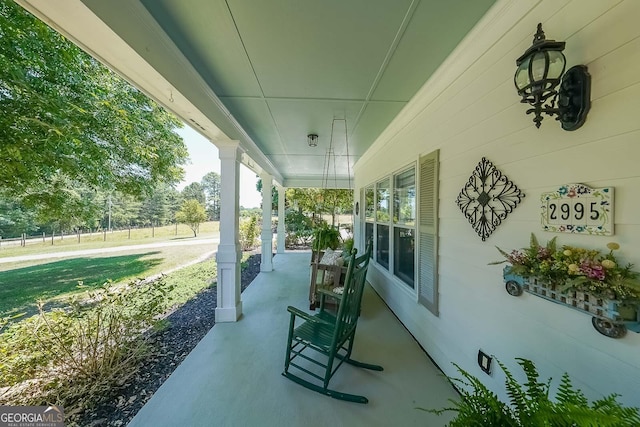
23, 284
114, 238
188, 281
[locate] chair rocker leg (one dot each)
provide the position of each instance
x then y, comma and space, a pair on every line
347, 358
326, 391
364, 365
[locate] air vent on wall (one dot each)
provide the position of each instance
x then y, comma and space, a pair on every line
197, 124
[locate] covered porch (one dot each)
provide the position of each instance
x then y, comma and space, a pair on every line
427, 90
232, 378
297, 92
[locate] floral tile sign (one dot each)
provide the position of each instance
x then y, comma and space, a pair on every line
578, 208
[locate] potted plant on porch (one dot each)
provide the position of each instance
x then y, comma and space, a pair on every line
325, 236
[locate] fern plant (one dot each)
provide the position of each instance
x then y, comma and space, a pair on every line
326, 236
530, 404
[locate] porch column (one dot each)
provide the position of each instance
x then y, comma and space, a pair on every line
266, 263
281, 225
229, 253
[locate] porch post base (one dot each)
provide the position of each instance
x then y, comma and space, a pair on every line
266, 263
231, 314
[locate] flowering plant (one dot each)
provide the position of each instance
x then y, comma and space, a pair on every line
573, 268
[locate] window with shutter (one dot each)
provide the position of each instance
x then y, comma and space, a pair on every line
428, 233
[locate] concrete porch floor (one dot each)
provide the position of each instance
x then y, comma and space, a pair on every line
233, 376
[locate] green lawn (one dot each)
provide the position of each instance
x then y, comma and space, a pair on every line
23, 284
114, 238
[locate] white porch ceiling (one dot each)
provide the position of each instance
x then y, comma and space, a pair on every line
267, 73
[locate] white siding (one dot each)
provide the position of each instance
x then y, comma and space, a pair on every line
469, 110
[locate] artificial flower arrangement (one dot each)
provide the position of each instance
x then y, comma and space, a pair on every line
575, 269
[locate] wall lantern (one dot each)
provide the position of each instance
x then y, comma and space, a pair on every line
540, 71
312, 139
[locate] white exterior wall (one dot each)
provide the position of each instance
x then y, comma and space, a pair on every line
469, 110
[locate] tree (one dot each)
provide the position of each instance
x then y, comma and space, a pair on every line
59, 205
81, 207
124, 210
211, 186
194, 191
174, 201
156, 208
15, 219
192, 213
274, 194
321, 201
336, 201
66, 117
66, 203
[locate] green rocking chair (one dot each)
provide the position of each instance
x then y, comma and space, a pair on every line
322, 342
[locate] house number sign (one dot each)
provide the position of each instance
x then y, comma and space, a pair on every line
577, 208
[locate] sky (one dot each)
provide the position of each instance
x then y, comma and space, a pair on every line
204, 159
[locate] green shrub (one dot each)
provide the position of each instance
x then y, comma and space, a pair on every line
77, 356
249, 232
298, 228
530, 405
20, 354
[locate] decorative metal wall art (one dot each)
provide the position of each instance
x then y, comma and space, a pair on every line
578, 208
487, 198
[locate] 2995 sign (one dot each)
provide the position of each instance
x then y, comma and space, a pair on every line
577, 208
565, 211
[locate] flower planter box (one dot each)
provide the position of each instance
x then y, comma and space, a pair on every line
607, 317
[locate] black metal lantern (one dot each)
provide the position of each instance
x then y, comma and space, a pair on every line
540, 70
